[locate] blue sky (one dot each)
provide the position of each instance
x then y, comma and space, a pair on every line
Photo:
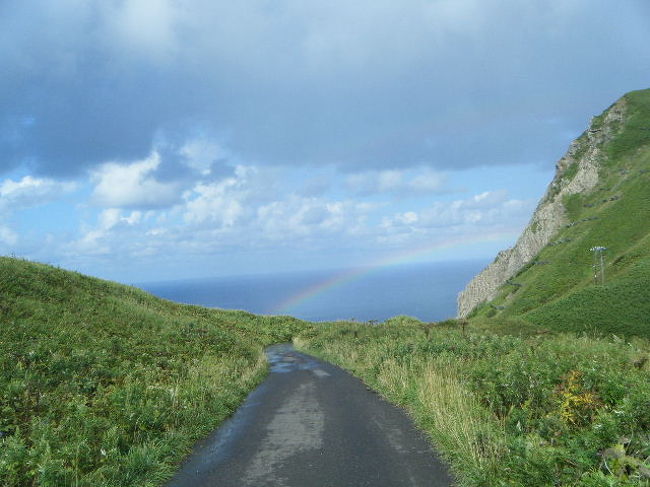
160, 139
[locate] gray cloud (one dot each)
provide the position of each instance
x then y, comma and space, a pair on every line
371, 84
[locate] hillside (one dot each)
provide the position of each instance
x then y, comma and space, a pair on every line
600, 197
103, 384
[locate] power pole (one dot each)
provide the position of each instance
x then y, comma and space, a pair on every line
599, 264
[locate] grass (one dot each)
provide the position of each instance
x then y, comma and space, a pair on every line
557, 290
105, 385
509, 410
636, 129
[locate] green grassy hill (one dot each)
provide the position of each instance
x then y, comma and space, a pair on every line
105, 385
558, 289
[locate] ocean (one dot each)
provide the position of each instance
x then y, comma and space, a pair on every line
425, 291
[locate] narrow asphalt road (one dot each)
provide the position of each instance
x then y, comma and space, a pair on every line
311, 424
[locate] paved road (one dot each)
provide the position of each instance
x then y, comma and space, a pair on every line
311, 424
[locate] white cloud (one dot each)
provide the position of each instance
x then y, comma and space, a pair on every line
222, 202
215, 202
132, 185
490, 208
108, 233
398, 182
409, 217
303, 217
200, 153
30, 191
259, 209
258, 206
486, 199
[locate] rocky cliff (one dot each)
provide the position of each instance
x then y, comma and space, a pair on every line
576, 172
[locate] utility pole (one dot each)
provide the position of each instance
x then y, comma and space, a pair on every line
599, 264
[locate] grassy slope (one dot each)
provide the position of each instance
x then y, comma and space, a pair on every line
105, 385
530, 411
559, 293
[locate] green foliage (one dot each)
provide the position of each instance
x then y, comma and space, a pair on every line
557, 289
105, 385
621, 306
573, 206
574, 410
538, 410
635, 131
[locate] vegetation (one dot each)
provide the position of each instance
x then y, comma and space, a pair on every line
635, 131
558, 289
505, 410
537, 389
105, 385
508, 398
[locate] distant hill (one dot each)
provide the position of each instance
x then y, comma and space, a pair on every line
599, 197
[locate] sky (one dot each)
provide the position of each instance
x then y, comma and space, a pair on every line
162, 139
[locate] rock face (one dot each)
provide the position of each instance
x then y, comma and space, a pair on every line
576, 172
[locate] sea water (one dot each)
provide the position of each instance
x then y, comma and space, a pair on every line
425, 291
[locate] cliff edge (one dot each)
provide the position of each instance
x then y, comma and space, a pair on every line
576, 172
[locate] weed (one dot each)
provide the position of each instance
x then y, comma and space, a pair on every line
104, 385
530, 410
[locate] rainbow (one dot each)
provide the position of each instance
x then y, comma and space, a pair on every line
355, 273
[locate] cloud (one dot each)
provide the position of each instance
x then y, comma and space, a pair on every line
252, 209
490, 208
310, 218
217, 202
146, 28
133, 185
398, 182
258, 206
201, 153
255, 220
114, 232
226, 201
30, 191
368, 85
484, 200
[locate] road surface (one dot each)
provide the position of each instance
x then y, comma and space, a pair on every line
311, 424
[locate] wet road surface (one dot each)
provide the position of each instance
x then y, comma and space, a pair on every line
311, 424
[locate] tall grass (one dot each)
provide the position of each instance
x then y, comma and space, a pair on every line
509, 410
461, 424
105, 385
